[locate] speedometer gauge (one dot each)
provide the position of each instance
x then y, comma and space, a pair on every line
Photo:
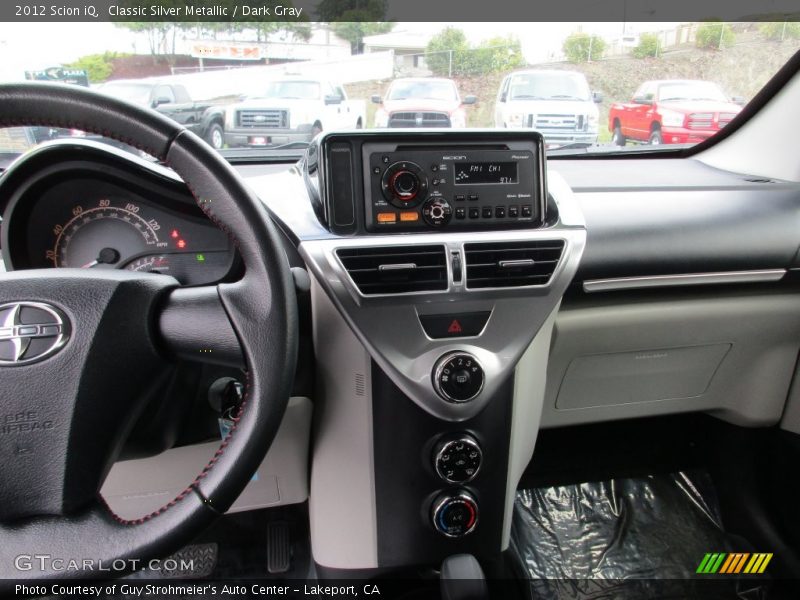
103, 236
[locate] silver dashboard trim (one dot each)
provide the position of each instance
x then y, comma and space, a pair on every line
388, 325
686, 279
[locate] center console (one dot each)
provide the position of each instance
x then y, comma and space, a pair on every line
439, 266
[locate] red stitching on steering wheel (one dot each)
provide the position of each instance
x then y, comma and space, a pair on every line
68, 124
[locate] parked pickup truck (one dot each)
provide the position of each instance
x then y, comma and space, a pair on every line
558, 104
291, 109
422, 102
172, 100
674, 111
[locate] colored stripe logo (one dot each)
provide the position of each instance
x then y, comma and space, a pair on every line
734, 562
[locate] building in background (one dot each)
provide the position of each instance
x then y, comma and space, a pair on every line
408, 47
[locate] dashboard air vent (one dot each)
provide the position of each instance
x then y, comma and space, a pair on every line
396, 269
511, 264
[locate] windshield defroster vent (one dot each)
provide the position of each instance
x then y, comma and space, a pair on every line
511, 264
396, 269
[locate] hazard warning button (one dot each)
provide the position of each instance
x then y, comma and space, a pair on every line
452, 325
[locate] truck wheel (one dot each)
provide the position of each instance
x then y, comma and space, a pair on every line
656, 139
616, 137
215, 136
316, 129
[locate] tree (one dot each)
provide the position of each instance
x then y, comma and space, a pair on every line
649, 45
157, 34
446, 51
582, 47
714, 35
780, 31
98, 67
495, 55
352, 10
355, 31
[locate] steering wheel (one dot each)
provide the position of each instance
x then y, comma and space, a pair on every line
77, 347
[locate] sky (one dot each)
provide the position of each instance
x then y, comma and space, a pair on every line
23, 46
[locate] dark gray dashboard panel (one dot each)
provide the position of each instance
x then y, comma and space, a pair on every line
666, 216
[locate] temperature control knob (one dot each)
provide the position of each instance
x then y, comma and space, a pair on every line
458, 377
437, 212
455, 515
404, 184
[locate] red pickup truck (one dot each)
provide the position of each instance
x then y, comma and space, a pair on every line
674, 111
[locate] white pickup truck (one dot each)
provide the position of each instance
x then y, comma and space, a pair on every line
291, 109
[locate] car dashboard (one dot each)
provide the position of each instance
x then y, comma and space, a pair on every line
463, 294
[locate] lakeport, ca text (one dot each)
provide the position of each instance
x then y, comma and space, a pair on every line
188, 590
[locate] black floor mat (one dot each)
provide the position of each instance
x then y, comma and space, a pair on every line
627, 538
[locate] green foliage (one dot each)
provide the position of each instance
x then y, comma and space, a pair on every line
439, 50
649, 45
355, 10
490, 56
714, 35
355, 31
582, 47
97, 66
779, 31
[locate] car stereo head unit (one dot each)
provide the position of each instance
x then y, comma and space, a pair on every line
400, 182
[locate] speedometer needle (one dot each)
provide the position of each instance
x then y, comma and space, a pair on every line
106, 256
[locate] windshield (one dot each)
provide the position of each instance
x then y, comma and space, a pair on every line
292, 90
138, 94
549, 86
423, 90
690, 90
254, 89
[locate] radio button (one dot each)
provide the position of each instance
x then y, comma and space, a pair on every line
474, 213
513, 212
437, 212
473, 197
459, 197
387, 217
527, 210
487, 212
461, 212
500, 212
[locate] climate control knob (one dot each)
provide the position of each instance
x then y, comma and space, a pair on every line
455, 515
458, 459
458, 377
437, 212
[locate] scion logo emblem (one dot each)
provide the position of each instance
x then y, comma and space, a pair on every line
30, 332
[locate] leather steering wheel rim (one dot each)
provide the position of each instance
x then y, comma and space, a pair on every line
260, 307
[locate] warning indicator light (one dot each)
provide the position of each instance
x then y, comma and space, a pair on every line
455, 327
181, 244
174, 235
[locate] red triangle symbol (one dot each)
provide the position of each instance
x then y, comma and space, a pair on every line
455, 327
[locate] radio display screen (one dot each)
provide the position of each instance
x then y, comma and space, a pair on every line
485, 172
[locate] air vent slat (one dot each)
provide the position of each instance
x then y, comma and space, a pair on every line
511, 264
389, 270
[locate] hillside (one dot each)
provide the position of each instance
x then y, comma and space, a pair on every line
742, 70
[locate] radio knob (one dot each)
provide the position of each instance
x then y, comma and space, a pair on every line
437, 212
404, 184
